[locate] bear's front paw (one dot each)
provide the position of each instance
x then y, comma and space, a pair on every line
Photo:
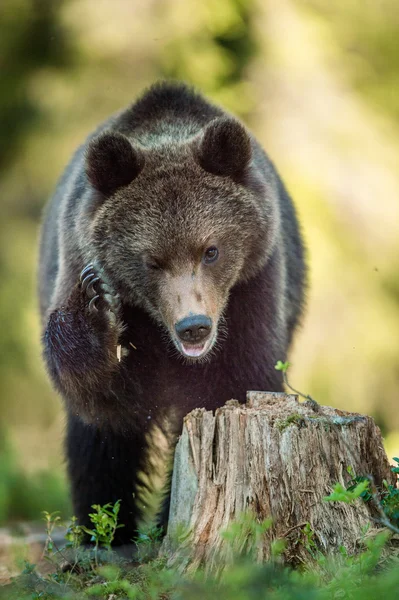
102, 299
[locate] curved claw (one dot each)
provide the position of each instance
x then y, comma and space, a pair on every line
85, 271
87, 280
92, 304
90, 291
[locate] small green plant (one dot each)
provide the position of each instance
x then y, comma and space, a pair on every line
283, 366
29, 568
52, 520
105, 524
147, 542
112, 584
74, 534
348, 495
390, 497
309, 540
396, 469
386, 499
366, 495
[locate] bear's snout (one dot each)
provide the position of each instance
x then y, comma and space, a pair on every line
194, 329
194, 335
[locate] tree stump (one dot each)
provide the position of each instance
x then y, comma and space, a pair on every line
276, 457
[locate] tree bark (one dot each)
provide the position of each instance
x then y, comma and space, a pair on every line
275, 457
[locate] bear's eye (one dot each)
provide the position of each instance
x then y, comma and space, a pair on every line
211, 255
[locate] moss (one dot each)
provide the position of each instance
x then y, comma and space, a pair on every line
294, 419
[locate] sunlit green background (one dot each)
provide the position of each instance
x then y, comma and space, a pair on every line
318, 83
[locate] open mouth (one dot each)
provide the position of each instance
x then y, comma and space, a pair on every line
195, 350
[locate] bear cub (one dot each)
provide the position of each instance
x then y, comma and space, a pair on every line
171, 277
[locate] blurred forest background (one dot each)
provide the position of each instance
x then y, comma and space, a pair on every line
318, 83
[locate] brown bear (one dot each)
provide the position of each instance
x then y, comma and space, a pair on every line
171, 277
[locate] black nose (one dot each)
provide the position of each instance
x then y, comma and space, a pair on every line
194, 329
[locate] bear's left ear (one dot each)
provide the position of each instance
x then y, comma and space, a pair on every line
225, 148
112, 162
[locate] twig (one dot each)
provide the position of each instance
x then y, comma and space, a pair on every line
294, 527
377, 503
314, 403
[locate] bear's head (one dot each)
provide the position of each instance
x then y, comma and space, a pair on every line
177, 225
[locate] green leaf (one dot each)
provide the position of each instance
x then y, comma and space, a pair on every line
89, 531
340, 494
281, 366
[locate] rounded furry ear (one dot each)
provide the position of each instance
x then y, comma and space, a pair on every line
225, 148
112, 162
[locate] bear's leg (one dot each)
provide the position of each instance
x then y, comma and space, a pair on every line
103, 467
81, 343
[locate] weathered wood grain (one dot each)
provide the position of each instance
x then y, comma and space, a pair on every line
276, 457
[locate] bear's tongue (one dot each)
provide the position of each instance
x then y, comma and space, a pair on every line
193, 350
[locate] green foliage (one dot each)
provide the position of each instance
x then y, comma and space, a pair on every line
282, 366
148, 541
294, 419
355, 577
52, 520
22, 495
309, 541
364, 576
215, 51
395, 469
32, 37
105, 523
360, 487
348, 495
369, 39
74, 534
390, 497
357, 481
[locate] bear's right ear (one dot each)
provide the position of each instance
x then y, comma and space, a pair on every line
225, 148
112, 162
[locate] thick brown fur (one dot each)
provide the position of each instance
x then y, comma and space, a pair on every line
171, 209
